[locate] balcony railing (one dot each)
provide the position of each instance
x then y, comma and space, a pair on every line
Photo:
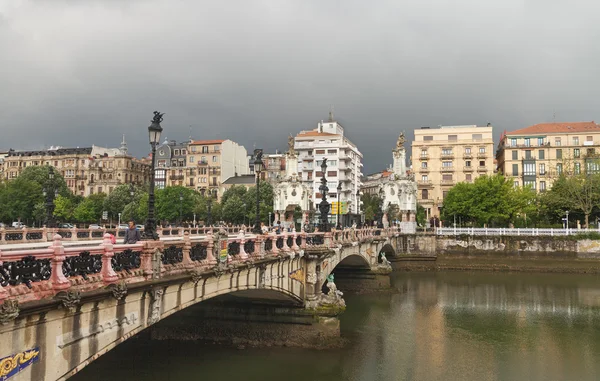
482, 155
468, 169
481, 169
424, 156
447, 155
447, 182
424, 183
423, 169
467, 156
447, 169
176, 177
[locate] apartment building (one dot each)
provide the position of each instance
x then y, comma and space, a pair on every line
211, 162
534, 156
344, 163
447, 155
86, 170
171, 164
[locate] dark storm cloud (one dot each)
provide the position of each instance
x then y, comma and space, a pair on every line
76, 73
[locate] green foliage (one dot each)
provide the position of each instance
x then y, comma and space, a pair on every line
63, 208
168, 203
18, 199
39, 175
490, 200
90, 208
265, 202
371, 206
421, 215
234, 209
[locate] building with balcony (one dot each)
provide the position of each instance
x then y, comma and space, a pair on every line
447, 155
344, 163
211, 162
536, 155
86, 170
171, 164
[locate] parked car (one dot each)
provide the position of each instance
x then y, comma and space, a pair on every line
123, 226
94, 226
66, 226
140, 227
18, 225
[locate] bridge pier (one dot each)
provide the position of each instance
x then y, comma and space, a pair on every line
256, 324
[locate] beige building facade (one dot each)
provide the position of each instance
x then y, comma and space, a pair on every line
447, 155
86, 170
536, 155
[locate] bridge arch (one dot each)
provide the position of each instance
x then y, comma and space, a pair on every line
388, 250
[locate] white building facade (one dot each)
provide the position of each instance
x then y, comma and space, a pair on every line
344, 166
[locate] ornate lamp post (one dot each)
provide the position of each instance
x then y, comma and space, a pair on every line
180, 207
380, 219
208, 211
154, 131
358, 206
339, 207
324, 206
50, 192
131, 193
258, 165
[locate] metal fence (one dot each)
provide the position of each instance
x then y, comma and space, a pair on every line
513, 231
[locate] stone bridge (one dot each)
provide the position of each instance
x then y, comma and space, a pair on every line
63, 307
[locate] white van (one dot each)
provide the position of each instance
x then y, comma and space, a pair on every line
18, 225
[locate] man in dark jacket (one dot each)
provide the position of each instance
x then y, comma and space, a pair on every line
132, 234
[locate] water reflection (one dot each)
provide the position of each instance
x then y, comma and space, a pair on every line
440, 326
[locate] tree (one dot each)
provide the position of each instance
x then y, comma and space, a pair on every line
63, 208
371, 205
39, 175
18, 199
168, 205
233, 210
90, 209
579, 192
421, 216
265, 202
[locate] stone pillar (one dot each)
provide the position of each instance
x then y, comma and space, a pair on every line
210, 250
242, 238
108, 273
295, 246
259, 246
149, 259
274, 249
187, 250
58, 279
285, 247
404, 216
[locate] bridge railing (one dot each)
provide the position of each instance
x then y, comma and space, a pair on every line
33, 274
512, 231
36, 235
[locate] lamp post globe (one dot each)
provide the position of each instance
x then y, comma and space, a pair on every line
258, 166
154, 131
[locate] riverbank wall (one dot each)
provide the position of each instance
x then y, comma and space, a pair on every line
498, 253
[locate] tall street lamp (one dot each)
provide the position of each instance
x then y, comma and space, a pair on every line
380, 220
131, 193
258, 166
50, 192
208, 209
324, 206
180, 207
154, 131
339, 207
358, 206
567, 221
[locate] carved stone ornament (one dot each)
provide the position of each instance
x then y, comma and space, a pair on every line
196, 276
119, 290
69, 299
155, 302
9, 310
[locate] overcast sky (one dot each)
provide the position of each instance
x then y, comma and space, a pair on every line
82, 72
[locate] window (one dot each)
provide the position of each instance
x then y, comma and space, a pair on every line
481, 149
446, 151
332, 163
423, 153
204, 149
176, 152
576, 153
427, 138
477, 137
447, 164
468, 151
423, 164
482, 163
214, 181
557, 142
577, 168
424, 194
447, 177
184, 152
559, 153
516, 184
217, 148
424, 178
515, 155
529, 169
332, 151
191, 159
320, 152
592, 167
591, 151
452, 138
215, 159
444, 194
332, 173
589, 138
541, 154
515, 169
203, 159
542, 169
468, 177
527, 142
540, 141
528, 154
468, 163
542, 186
575, 140
559, 169
513, 142
530, 183
194, 149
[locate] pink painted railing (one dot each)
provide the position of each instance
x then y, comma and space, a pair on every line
34, 274
35, 235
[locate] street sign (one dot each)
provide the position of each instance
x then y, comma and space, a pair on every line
105, 215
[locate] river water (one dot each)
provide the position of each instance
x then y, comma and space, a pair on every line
439, 326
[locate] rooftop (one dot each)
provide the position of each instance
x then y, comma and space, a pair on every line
240, 180
204, 142
314, 133
557, 128
53, 152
